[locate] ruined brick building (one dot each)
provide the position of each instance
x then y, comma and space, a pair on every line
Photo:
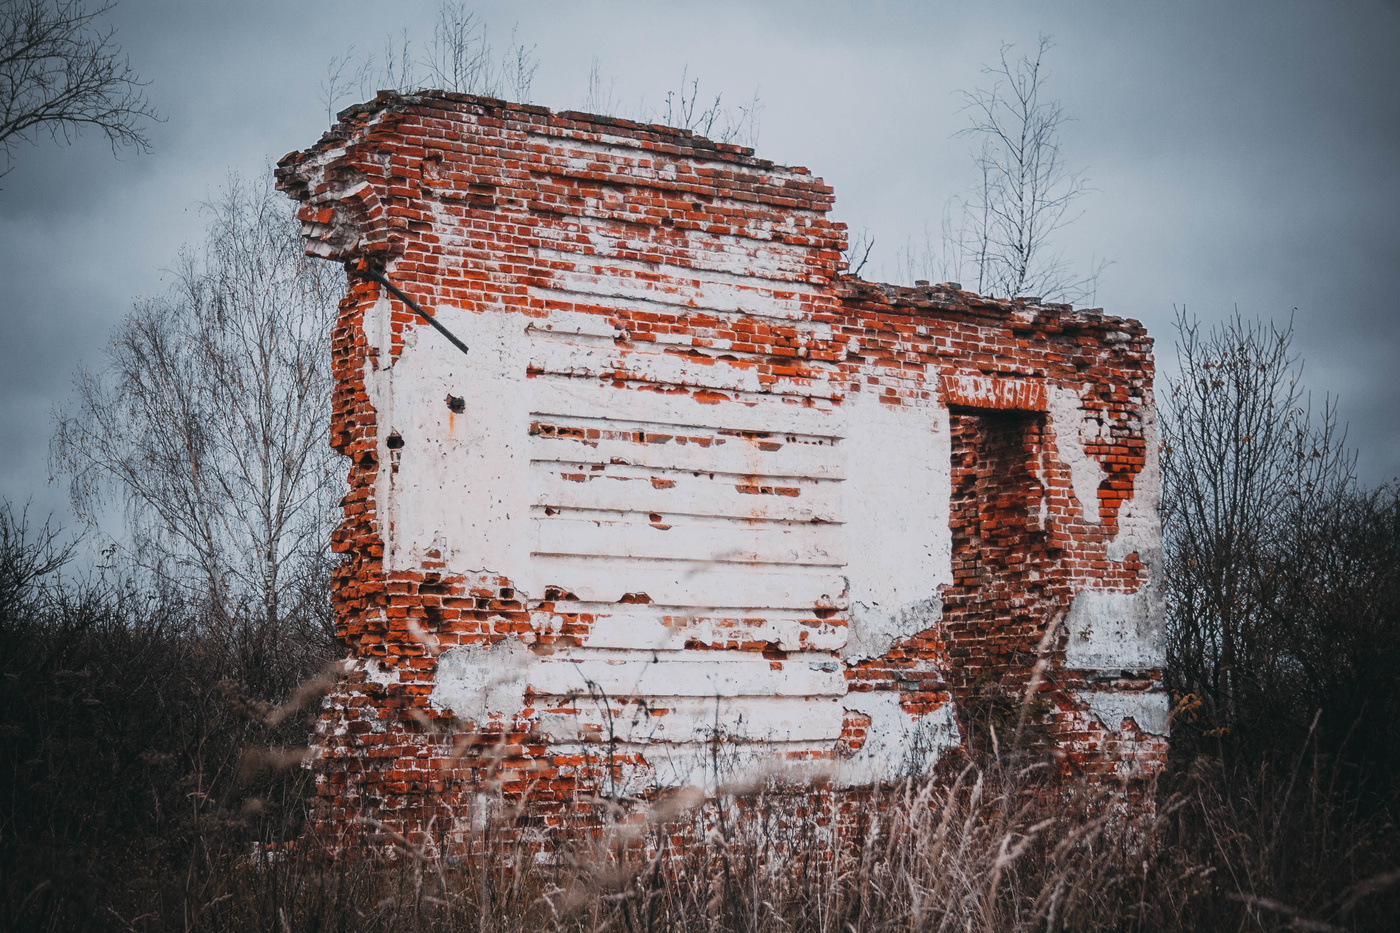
693, 485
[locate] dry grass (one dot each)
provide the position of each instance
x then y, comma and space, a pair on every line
978, 850
974, 852
137, 793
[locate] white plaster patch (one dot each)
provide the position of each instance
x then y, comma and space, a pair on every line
377, 674
576, 323
686, 674
376, 327
642, 631
1127, 630
466, 482
478, 682
460, 486
1072, 428
1151, 711
698, 720
605, 361
708, 289
899, 545
644, 768
1139, 522
896, 744
1115, 631
874, 628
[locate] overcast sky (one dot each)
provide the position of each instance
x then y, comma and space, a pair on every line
1244, 155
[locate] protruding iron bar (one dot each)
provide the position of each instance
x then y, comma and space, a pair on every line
383, 279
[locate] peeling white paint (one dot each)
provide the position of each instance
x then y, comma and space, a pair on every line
691, 720
897, 496
695, 673
1110, 630
712, 291
1115, 631
478, 683
461, 477
705, 767
1073, 427
375, 673
874, 630
896, 744
657, 631
1139, 521
1151, 711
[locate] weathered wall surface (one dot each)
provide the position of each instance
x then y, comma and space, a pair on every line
692, 489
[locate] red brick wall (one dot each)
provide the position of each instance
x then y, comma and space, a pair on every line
693, 257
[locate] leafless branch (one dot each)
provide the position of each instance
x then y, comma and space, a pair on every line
518, 70
857, 252
62, 71
460, 58
26, 556
1025, 190
684, 109
336, 84
600, 98
1249, 472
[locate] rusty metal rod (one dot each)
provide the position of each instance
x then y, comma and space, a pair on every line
382, 279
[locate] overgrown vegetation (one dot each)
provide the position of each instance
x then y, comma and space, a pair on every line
1283, 573
133, 750
149, 782
144, 786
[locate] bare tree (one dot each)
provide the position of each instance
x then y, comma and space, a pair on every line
930, 258
518, 69
26, 557
460, 58
61, 72
600, 98
209, 422
341, 74
1250, 474
726, 124
1025, 190
682, 107
393, 69
396, 69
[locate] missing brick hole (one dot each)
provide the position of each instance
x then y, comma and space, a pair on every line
456, 404
395, 442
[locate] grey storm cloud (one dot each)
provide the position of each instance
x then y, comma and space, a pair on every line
1243, 155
